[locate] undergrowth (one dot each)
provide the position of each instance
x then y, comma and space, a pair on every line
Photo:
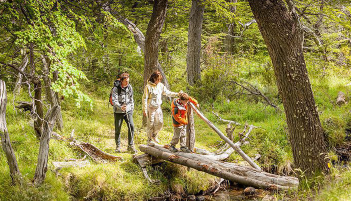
123, 180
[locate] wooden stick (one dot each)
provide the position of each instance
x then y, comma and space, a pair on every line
227, 140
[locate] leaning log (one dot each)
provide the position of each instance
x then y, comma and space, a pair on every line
227, 140
240, 174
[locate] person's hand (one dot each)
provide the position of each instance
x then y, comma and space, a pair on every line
144, 113
124, 107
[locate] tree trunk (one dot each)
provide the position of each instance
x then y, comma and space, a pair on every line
38, 109
5, 138
230, 40
190, 130
240, 174
51, 96
42, 165
138, 37
283, 36
152, 37
194, 42
18, 84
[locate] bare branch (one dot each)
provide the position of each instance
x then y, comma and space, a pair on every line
224, 120
245, 26
254, 91
17, 69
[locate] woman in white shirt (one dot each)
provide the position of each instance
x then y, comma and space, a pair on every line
152, 100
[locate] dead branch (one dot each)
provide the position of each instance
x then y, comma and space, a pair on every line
224, 120
254, 91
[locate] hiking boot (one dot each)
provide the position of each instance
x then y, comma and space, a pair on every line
185, 150
173, 149
118, 149
132, 149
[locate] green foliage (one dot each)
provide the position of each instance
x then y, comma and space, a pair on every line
336, 186
89, 47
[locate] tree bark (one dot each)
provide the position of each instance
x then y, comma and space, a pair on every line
5, 138
194, 42
18, 84
51, 96
43, 156
190, 130
152, 37
38, 109
283, 36
240, 174
230, 40
138, 37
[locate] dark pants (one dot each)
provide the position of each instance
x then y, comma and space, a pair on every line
128, 118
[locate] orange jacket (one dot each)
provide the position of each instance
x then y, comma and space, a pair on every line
179, 112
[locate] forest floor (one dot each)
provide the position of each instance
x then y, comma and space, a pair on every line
124, 180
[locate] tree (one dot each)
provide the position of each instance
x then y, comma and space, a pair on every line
41, 29
283, 36
153, 33
230, 40
5, 139
194, 42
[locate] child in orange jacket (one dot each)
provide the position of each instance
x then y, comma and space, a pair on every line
179, 117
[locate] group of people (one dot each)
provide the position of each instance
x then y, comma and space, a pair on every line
123, 106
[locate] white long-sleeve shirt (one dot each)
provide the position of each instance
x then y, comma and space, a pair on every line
153, 95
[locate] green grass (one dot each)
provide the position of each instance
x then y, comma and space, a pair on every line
123, 180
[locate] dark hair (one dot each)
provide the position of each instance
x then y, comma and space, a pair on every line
124, 76
184, 96
155, 76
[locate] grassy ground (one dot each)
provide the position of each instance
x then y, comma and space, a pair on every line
123, 180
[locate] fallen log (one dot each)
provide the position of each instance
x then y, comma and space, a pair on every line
95, 153
240, 174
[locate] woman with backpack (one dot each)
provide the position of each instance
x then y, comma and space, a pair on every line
151, 103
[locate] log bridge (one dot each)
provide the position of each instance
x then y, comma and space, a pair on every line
249, 176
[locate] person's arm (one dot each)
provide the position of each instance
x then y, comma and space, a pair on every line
167, 92
194, 101
144, 100
115, 100
176, 115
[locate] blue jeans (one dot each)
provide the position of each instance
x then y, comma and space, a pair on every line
128, 118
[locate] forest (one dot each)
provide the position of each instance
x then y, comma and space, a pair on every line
175, 100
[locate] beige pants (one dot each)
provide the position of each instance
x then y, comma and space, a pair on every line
179, 134
154, 122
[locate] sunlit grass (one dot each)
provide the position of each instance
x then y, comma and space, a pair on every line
123, 180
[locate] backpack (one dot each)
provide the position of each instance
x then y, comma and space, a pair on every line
115, 84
